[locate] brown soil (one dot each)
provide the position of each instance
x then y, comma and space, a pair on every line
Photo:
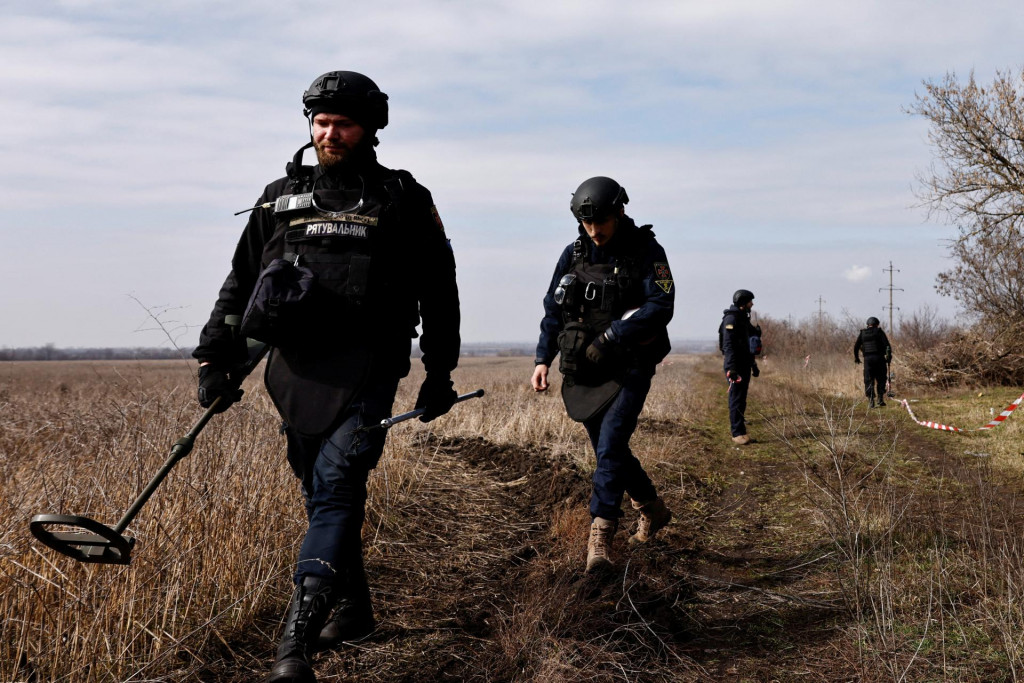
742, 586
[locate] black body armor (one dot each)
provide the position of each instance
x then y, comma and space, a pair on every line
592, 296
871, 341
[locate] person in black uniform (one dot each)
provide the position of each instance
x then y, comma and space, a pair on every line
336, 267
877, 356
739, 363
605, 313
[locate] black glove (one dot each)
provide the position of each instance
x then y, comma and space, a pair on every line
214, 382
755, 371
600, 350
437, 396
856, 359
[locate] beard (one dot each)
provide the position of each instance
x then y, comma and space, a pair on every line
331, 161
334, 162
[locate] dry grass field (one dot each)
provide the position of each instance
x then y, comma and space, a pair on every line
843, 544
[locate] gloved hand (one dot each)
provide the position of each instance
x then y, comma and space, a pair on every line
214, 382
436, 397
755, 371
856, 359
600, 350
729, 374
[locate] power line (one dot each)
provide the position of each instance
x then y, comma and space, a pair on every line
891, 289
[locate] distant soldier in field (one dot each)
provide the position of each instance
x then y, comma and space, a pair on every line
740, 360
605, 314
335, 269
877, 356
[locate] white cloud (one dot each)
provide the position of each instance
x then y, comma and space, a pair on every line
858, 273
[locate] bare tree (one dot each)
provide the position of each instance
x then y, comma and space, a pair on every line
987, 276
923, 329
977, 182
978, 137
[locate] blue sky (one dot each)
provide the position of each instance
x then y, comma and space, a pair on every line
768, 143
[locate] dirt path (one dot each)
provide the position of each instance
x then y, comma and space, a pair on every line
747, 584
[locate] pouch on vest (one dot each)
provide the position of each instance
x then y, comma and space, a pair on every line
573, 341
279, 308
755, 341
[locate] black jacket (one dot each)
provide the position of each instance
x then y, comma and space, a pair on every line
644, 334
736, 331
413, 277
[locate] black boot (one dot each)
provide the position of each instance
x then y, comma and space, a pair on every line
353, 613
311, 604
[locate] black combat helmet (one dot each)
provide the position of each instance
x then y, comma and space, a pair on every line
350, 94
872, 321
742, 297
597, 198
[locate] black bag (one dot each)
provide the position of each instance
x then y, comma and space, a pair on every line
279, 309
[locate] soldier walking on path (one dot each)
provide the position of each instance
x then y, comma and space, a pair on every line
877, 356
336, 267
605, 314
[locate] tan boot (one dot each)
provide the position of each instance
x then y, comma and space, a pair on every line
653, 518
600, 546
742, 439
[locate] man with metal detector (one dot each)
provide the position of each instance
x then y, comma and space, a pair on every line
877, 356
605, 314
337, 265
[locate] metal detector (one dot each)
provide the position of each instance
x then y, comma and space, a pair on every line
87, 540
389, 422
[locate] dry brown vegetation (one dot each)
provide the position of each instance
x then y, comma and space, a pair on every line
845, 544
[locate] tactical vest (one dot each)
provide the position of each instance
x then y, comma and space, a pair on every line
350, 254
601, 293
352, 302
870, 343
592, 296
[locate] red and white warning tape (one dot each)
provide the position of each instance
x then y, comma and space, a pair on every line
998, 420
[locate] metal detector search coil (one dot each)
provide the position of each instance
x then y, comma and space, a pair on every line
92, 542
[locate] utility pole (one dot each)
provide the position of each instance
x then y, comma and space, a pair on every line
820, 311
891, 289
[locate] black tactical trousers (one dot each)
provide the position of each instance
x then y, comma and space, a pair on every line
738, 385
334, 470
875, 374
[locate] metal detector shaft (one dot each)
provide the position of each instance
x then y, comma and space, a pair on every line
89, 540
389, 422
183, 446
179, 450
